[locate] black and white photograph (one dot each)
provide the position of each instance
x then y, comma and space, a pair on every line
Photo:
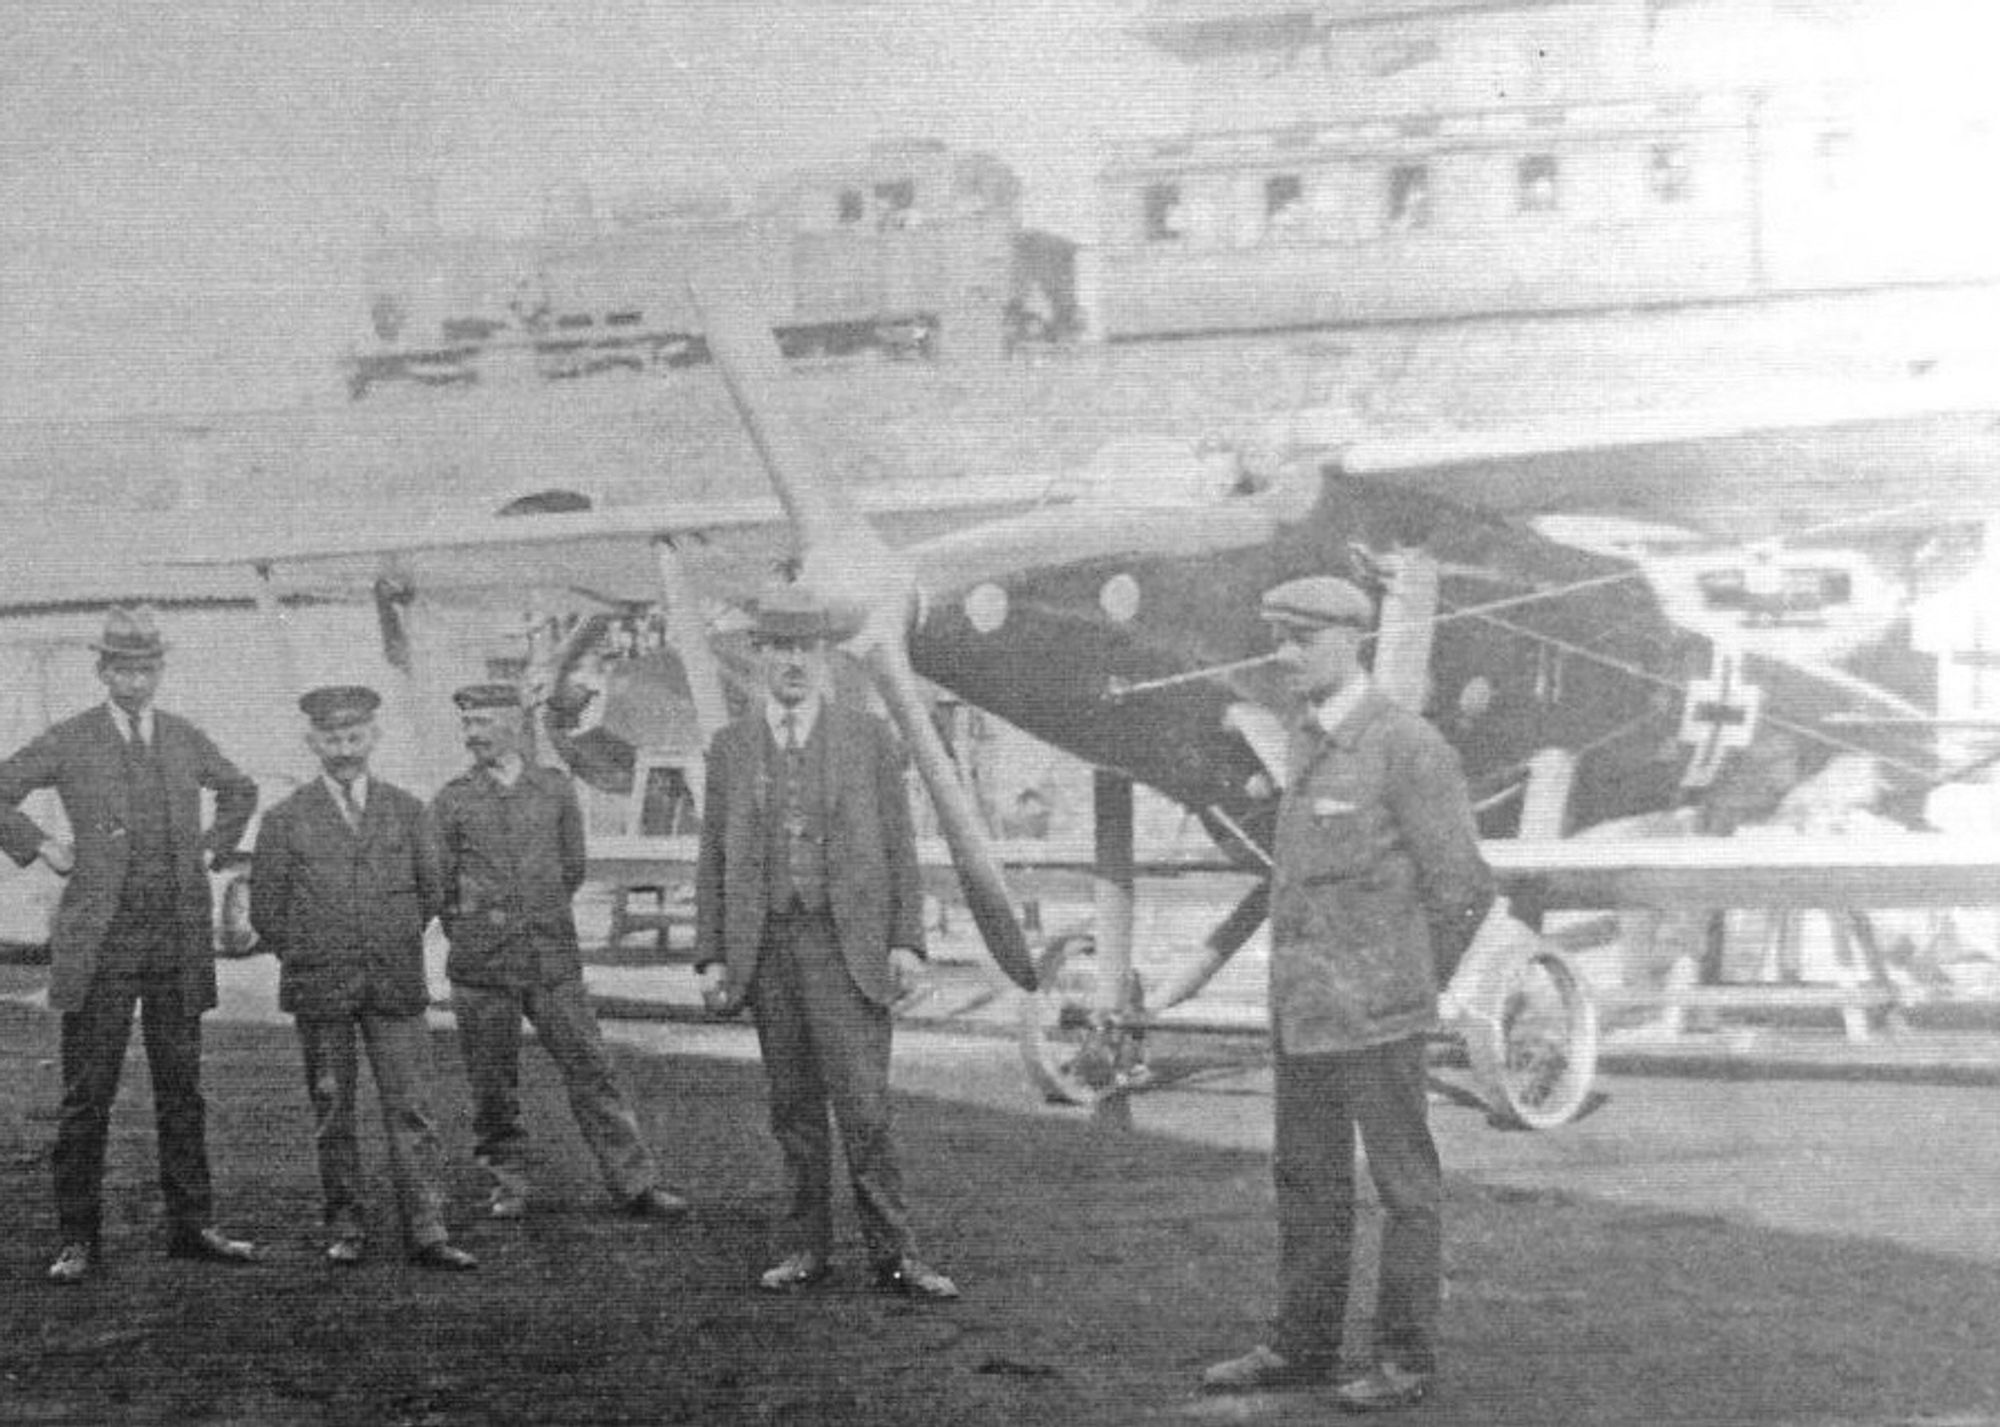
872, 712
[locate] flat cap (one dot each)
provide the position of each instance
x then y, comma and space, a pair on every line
796, 612
130, 632
494, 695
339, 705
1318, 602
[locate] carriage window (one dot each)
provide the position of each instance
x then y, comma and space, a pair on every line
1670, 175
850, 206
1409, 196
1535, 184
1163, 213
897, 203
1284, 203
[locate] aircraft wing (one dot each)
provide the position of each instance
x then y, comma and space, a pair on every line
605, 553
1737, 470
1768, 869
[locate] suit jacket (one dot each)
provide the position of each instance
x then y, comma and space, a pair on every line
83, 759
513, 860
344, 908
872, 879
1379, 884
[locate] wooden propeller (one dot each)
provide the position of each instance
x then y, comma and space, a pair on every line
847, 563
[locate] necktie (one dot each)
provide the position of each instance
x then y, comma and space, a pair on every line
350, 806
795, 776
138, 732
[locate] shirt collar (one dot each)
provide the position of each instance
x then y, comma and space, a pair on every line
359, 785
1333, 710
124, 721
806, 712
509, 771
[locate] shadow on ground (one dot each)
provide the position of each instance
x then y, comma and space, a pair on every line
1100, 1274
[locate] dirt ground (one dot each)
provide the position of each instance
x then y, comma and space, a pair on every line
1100, 1274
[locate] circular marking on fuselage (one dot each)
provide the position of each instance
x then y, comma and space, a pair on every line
1119, 598
986, 607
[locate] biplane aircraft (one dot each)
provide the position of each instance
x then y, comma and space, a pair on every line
1119, 624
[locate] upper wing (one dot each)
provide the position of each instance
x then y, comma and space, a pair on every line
1765, 467
607, 554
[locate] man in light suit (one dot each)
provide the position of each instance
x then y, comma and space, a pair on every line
808, 909
345, 880
134, 928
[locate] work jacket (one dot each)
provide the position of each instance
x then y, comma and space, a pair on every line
513, 859
1378, 877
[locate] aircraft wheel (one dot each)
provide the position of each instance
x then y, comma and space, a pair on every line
1534, 1060
1070, 1056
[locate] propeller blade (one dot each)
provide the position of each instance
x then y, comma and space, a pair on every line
979, 871
850, 566
746, 353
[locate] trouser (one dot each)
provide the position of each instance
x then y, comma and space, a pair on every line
826, 1048
489, 1037
1321, 1101
399, 1059
94, 1039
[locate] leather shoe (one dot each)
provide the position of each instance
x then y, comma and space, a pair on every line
913, 1278
213, 1245
345, 1250
656, 1203
801, 1270
445, 1255
1262, 1369
1384, 1388
72, 1265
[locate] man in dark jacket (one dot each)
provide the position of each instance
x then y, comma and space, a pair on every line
134, 929
808, 908
511, 839
344, 882
1378, 881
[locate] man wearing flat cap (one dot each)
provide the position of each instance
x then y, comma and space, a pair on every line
134, 929
510, 834
809, 909
344, 881
1377, 888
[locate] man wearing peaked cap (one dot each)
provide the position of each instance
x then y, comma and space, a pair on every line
345, 880
135, 928
510, 837
1378, 887
1316, 602
487, 696
808, 911
340, 705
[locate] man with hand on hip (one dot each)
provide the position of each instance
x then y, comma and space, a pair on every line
135, 928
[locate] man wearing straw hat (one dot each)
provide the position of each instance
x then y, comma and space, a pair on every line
134, 929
